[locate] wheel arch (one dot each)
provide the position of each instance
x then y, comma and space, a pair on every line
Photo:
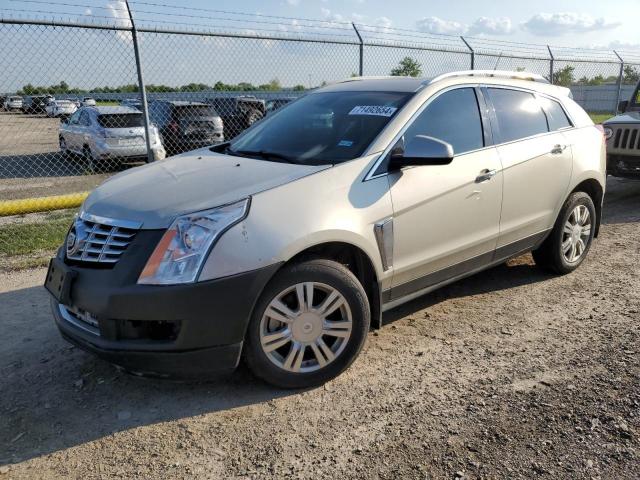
357, 261
594, 189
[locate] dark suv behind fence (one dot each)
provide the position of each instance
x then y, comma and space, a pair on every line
36, 104
238, 113
185, 126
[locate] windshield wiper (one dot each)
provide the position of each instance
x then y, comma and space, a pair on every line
262, 154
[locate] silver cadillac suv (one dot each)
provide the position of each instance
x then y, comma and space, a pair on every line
285, 245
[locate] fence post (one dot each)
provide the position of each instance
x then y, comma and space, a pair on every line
471, 51
361, 68
143, 90
551, 62
620, 75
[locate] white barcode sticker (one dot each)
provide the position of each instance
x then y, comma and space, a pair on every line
378, 110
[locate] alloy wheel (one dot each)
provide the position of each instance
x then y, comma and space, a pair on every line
305, 327
576, 234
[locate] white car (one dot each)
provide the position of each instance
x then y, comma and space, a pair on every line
284, 246
88, 102
13, 103
61, 108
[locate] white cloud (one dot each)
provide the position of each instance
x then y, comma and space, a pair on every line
491, 26
482, 26
293, 2
439, 25
118, 10
567, 22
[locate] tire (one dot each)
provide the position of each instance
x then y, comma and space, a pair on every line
553, 254
252, 117
93, 164
324, 355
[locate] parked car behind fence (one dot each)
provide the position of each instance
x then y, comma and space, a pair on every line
13, 102
60, 108
107, 137
185, 126
36, 104
238, 113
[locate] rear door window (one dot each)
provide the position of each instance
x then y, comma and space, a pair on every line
519, 114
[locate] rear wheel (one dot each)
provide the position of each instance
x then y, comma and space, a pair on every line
309, 325
93, 164
567, 245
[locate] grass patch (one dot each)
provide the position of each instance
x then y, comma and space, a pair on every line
107, 103
31, 241
600, 117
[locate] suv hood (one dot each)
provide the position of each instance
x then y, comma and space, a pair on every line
627, 117
155, 194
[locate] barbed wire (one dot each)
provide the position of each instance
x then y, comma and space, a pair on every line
301, 27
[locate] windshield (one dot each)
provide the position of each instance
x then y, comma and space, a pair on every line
321, 128
120, 120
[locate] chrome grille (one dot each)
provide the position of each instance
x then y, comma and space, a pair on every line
627, 138
99, 239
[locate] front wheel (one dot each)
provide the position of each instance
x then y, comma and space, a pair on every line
308, 326
570, 240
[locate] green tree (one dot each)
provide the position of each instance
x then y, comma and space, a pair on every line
564, 76
631, 76
298, 88
408, 67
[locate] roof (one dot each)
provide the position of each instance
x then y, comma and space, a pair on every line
377, 84
411, 84
180, 103
113, 110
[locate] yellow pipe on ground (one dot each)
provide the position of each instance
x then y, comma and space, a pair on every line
41, 204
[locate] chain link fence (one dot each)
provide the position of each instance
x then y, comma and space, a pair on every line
72, 110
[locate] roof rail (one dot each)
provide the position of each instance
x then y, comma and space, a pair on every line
532, 77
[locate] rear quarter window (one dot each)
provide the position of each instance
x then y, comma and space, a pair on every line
519, 114
556, 115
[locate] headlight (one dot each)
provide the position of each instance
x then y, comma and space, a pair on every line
186, 244
608, 133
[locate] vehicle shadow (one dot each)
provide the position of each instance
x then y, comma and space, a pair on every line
47, 164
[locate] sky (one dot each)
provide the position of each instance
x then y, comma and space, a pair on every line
87, 59
581, 23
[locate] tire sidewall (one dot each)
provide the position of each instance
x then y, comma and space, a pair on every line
321, 271
574, 200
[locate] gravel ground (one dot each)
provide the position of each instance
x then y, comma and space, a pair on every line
512, 373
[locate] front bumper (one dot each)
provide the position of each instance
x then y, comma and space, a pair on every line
178, 330
626, 166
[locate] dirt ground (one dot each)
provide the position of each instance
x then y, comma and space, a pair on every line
512, 373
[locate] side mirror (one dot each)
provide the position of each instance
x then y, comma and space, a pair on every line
622, 106
422, 150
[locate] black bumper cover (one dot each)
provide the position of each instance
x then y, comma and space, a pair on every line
213, 315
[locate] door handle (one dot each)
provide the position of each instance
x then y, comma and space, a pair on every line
485, 175
558, 149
